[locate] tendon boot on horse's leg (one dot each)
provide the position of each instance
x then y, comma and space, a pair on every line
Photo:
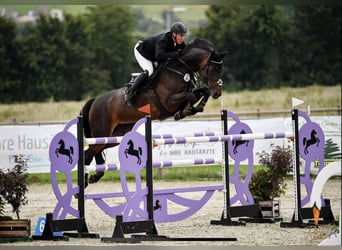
98, 175
131, 90
88, 158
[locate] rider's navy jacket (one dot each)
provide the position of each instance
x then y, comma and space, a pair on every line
159, 48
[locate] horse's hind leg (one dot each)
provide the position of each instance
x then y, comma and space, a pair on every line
99, 161
88, 158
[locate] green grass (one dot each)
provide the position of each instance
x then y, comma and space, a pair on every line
272, 99
196, 173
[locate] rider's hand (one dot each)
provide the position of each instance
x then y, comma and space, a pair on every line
174, 55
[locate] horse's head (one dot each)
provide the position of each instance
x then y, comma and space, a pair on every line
211, 74
200, 56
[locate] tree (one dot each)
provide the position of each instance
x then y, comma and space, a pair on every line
8, 59
277, 45
255, 36
55, 60
318, 39
110, 30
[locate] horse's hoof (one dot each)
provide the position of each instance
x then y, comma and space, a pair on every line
93, 179
177, 116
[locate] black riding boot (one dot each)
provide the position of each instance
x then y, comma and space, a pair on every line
131, 90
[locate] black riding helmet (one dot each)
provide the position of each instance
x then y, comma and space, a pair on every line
178, 28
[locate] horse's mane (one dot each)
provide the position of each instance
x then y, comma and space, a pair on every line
199, 43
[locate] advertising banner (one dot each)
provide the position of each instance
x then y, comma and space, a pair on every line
31, 142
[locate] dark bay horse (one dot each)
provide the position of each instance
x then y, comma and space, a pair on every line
176, 87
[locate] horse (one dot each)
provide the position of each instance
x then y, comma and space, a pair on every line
179, 87
63, 151
313, 140
134, 152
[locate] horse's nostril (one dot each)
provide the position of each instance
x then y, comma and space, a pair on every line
216, 95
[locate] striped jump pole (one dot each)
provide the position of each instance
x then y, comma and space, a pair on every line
102, 140
217, 138
194, 134
159, 164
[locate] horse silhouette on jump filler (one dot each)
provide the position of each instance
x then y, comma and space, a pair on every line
134, 152
308, 142
238, 143
63, 151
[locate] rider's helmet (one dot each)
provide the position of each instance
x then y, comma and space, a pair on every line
178, 28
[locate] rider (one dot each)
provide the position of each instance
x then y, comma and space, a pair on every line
158, 49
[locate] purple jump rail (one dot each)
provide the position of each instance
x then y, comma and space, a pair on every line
236, 137
159, 164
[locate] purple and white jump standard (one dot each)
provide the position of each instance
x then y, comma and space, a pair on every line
144, 203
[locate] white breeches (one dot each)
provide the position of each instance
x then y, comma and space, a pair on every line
144, 63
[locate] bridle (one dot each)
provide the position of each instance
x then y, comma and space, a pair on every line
216, 64
194, 77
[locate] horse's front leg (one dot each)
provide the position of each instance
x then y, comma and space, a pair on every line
203, 94
200, 106
188, 99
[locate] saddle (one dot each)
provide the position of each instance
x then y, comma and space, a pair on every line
150, 79
152, 83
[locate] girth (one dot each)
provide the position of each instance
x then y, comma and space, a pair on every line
164, 114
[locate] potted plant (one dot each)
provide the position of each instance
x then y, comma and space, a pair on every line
269, 182
13, 189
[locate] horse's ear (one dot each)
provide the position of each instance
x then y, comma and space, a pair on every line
223, 54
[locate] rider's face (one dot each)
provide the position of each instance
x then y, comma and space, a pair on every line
179, 38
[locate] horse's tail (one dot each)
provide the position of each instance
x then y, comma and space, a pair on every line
304, 140
72, 150
85, 113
